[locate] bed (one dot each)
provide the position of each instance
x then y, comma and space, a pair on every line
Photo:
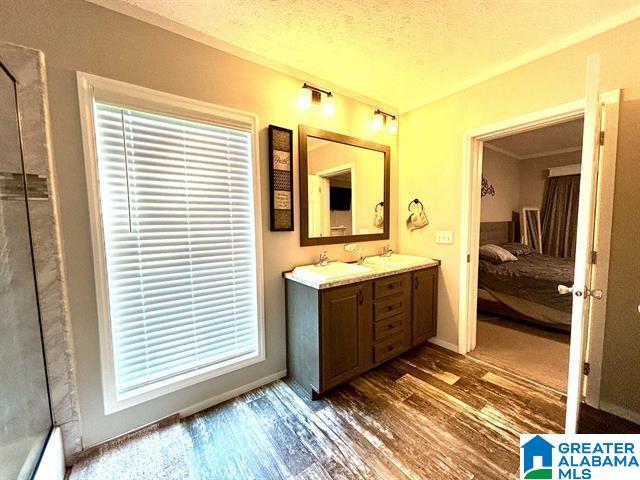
526, 289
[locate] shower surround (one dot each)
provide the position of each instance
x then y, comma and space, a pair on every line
28, 67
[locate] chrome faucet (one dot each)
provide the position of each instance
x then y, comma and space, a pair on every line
352, 247
387, 250
324, 259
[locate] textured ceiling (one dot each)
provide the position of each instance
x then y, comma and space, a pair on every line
400, 52
555, 138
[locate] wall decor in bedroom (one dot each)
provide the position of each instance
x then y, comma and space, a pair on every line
487, 189
281, 178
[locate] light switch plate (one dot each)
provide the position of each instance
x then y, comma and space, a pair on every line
444, 236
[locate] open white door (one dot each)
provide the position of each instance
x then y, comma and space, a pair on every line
582, 290
315, 205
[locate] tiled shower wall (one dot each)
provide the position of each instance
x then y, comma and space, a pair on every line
27, 66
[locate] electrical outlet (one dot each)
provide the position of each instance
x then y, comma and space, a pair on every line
444, 236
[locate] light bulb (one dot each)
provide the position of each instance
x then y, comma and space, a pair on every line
392, 128
378, 122
304, 98
329, 105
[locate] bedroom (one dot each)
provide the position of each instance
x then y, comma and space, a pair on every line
531, 179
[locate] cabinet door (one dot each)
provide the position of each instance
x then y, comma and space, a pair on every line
346, 332
424, 307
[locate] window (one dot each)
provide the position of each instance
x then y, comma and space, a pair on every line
176, 239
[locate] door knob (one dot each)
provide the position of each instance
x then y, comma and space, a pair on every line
596, 293
564, 290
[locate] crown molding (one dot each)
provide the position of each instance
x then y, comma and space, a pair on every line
503, 151
550, 153
573, 39
125, 8
546, 153
133, 11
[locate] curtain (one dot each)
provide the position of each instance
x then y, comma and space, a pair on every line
560, 216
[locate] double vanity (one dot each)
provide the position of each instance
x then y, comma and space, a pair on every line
344, 319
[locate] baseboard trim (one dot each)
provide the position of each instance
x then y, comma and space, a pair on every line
231, 394
52, 466
621, 412
444, 344
175, 416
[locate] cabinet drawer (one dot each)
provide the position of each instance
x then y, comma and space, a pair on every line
390, 307
389, 327
385, 287
387, 349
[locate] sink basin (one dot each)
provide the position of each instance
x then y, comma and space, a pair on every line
331, 271
398, 260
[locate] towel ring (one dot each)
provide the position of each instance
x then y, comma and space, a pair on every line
381, 205
415, 201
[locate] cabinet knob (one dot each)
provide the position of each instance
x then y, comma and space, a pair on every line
360, 297
416, 282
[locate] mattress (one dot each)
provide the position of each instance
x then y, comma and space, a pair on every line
534, 278
523, 309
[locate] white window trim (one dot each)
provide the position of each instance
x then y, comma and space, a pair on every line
90, 89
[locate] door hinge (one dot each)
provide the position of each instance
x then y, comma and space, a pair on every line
468, 258
601, 138
594, 257
586, 368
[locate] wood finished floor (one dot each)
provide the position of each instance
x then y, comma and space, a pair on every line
430, 414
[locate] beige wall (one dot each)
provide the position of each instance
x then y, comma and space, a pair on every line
534, 173
503, 172
431, 140
76, 35
620, 371
368, 180
518, 183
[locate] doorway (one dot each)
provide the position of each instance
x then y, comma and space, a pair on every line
331, 206
528, 214
600, 114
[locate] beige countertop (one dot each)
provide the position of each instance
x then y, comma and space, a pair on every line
377, 271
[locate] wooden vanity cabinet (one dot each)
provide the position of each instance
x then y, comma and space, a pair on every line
338, 333
424, 308
345, 332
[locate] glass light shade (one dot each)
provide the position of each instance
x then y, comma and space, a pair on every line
378, 122
304, 98
392, 127
329, 106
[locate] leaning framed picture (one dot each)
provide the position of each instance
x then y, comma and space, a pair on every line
281, 178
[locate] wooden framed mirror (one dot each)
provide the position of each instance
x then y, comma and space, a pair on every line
344, 188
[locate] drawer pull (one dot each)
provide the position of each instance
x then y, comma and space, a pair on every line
389, 348
391, 326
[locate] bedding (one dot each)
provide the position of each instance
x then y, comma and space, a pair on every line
533, 277
518, 249
496, 254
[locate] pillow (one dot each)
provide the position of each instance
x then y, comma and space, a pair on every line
496, 254
518, 249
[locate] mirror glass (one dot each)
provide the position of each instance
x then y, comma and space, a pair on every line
531, 230
345, 185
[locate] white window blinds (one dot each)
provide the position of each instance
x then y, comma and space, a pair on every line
177, 208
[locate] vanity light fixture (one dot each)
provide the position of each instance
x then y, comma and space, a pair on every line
329, 105
381, 118
378, 121
310, 95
